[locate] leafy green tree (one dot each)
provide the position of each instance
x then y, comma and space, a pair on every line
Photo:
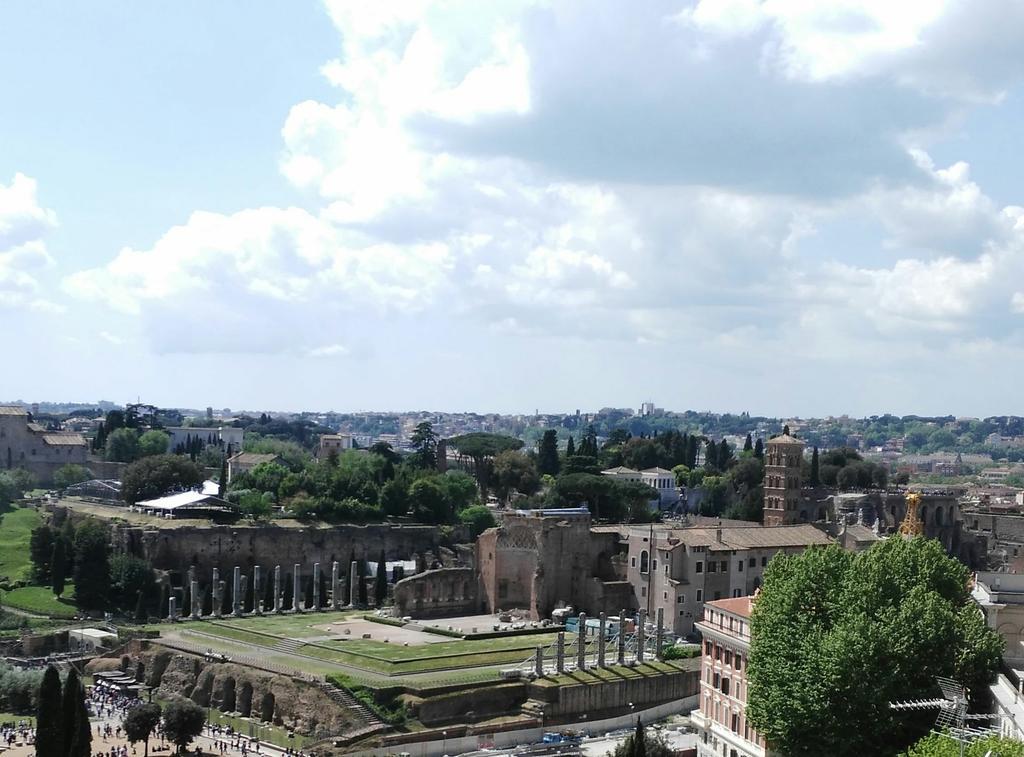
424, 445
716, 495
58, 567
77, 730
460, 488
41, 553
92, 566
642, 744
50, 738
482, 448
478, 518
153, 442
429, 501
9, 489
183, 721
547, 454
140, 722
394, 499
129, 577
818, 681
122, 445
942, 745
69, 474
155, 476
514, 472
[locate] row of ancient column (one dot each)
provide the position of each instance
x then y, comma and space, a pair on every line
239, 589
602, 662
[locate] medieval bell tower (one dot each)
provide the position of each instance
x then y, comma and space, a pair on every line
782, 479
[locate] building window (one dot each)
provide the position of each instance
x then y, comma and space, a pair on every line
735, 593
739, 566
700, 595
632, 562
725, 566
725, 686
664, 595
645, 559
712, 566
643, 591
728, 657
666, 570
681, 599
753, 562
707, 648
717, 681
699, 568
738, 662
735, 723
654, 564
764, 561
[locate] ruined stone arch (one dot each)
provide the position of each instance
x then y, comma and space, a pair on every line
267, 703
245, 700
228, 695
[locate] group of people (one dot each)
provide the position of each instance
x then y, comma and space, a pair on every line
20, 731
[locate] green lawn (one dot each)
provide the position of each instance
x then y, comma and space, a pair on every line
15, 531
7, 717
41, 601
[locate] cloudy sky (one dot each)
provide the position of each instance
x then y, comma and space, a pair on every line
781, 206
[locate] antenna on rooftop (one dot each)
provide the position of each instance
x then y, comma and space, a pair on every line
952, 720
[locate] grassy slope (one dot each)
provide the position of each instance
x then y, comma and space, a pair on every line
15, 530
41, 601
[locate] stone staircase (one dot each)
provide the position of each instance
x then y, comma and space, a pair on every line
288, 645
361, 713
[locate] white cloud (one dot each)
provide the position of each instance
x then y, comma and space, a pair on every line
23, 254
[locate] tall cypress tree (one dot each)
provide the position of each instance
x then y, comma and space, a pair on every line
748, 445
222, 485
815, 470
77, 731
639, 740
380, 585
50, 716
58, 566
362, 583
759, 449
547, 454
711, 455
570, 447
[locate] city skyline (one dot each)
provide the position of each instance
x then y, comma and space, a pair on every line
729, 205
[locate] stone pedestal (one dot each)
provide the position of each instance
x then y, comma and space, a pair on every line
316, 587
335, 586
353, 580
581, 643
277, 588
297, 588
560, 652
257, 593
194, 597
236, 592
659, 635
622, 638
601, 630
172, 608
641, 637
218, 595
539, 662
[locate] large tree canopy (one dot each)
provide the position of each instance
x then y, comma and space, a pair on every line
157, 475
837, 636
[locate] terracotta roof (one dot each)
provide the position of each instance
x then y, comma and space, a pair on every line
37, 427
55, 439
786, 439
737, 605
757, 537
253, 458
12, 410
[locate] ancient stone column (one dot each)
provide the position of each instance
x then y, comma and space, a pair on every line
659, 634
236, 591
640, 635
277, 588
581, 641
603, 622
622, 638
257, 594
172, 608
194, 596
560, 652
539, 662
353, 579
316, 587
335, 586
217, 596
222, 585
297, 588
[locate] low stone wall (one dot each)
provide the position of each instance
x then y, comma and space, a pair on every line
438, 593
563, 703
470, 706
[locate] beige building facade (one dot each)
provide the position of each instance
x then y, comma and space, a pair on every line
28, 445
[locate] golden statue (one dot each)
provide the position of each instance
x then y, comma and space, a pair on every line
912, 525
